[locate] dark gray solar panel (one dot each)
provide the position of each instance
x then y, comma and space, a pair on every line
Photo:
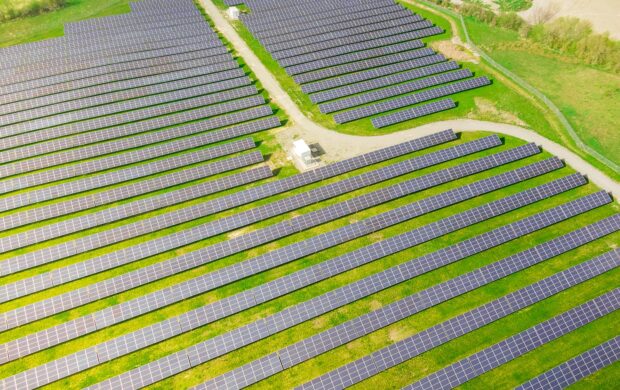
66, 274
245, 335
396, 90
577, 368
401, 351
392, 355
377, 108
412, 113
523, 342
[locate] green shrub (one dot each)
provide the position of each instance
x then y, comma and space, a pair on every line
13, 9
513, 5
574, 37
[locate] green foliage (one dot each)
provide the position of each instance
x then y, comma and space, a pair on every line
513, 5
13, 9
574, 37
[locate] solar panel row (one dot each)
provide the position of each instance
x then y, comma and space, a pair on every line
249, 196
145, 185
109, 215
343, 81
360, 326
210, 94
202, 284
210, 73
271, 290
50, 81
289, 317
91, 145
579, 367
469, 321
523, 342
295, 36
113, 47
241, 111
370, 31
330, 48
117, 79
399, 89
388, 80
412, 113
106, 178
407, 100
102, 95
202, 256
368, 64
60, 66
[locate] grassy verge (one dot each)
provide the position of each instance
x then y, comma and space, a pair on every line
502, 96
585, 94
50, 25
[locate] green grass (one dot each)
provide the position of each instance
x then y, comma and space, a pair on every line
586, 95
514, 5
502, 96
50, 25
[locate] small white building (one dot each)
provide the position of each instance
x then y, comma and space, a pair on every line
302, 150
233, 13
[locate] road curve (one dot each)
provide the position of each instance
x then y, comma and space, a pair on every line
367, 143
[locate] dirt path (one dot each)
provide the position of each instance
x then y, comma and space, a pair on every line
338, 146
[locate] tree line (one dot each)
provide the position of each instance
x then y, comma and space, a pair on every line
566, 35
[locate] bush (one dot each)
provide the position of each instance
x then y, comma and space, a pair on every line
572, 36
13, 9
510, 20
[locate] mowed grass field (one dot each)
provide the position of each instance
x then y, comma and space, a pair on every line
588, 96
506, 376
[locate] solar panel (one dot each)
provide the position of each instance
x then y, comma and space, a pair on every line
341, 81
210, 94
141, 206
382, 82
412, 113
311, 37
361, 65
396, 90
392, 355
127, 173
406, 349
338, 46
214, 348
521, 343
577, 368
140, 65
377, 108
290, 36
289, 317
105, 196
75, 271
83, 88
317, 64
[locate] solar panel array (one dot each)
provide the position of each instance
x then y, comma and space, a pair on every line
353, 329
130, 221
354, 53
577, 368
521, 343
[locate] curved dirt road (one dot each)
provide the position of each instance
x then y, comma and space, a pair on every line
338, 145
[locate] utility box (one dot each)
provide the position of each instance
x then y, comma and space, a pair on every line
233, 13
302, 150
